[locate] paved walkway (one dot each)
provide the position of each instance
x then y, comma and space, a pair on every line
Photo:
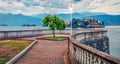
45, 52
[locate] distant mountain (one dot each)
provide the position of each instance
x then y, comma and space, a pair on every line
67, 16
79, 15
103, 17
41, 16
18, 20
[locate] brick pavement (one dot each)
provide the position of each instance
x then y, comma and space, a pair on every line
45, 52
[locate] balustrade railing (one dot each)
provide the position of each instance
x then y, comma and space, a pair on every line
28, 33
21, 33
90, 34
37, 32
83, 54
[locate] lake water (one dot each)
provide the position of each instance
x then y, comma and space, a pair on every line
7, 28
114, 40
113, 34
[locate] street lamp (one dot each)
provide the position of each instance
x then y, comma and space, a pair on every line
71, 10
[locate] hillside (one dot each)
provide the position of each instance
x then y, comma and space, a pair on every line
103, 17
67, 16
18, 20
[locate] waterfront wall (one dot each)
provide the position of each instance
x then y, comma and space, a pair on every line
101, 43
97, 40
84, 54
37, 32
29, 33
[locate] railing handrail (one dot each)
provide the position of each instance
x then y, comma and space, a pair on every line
29, 33
49, 29
93, 31
28, 30
101, 54
21, 30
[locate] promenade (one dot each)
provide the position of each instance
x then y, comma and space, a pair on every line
45, 52
52, 52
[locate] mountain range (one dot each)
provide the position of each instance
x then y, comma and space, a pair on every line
19, 19
67, 16
103, 17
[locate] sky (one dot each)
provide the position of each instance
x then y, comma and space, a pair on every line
31, 7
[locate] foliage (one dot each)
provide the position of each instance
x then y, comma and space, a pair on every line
54, 23
84, 24
75, 22
9, 48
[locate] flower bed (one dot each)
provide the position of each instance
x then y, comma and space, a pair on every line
10, 48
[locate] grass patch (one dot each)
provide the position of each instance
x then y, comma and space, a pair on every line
10, 48
56, 38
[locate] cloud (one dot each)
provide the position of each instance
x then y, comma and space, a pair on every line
29, 7
17, 4
106, 6
117, 3
2, 3
31, 4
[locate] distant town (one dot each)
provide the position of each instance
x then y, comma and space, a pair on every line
85, 23
29, 25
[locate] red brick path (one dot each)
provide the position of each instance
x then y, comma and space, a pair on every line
45, 52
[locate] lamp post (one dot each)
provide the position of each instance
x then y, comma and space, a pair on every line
71, 9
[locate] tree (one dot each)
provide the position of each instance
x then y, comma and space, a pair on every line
54, 23
75, 22
102, 23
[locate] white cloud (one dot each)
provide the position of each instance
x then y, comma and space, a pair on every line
17, 4
82, 6
107, 6
3, 3
113, 9
29, 7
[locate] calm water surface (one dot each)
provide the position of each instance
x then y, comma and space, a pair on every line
7, 28
114, 40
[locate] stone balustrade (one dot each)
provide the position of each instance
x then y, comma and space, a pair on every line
83, 54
